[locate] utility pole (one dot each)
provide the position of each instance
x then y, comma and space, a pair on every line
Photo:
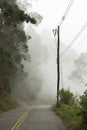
57, 32
58, 63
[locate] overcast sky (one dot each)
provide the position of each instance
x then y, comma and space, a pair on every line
53, 10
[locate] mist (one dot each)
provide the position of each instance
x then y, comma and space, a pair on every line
29, 88
40, 85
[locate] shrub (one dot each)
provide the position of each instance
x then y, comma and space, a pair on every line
66, 97
70, 116
83, 104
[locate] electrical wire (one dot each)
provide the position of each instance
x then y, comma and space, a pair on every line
66, 12
83, 40
64, 59
73, 41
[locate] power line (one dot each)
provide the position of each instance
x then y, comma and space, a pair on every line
71, 56
57, 32
84, 39
73, 41
66, 12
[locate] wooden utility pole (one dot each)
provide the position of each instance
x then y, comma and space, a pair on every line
57, 31
58, 64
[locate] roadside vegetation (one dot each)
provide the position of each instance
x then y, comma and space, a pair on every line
7, 103
72, 110
13, 50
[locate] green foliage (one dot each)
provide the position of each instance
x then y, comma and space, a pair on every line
74, 115
66, 97
13, 43
7, 103
71, 116
83, 104
13, 15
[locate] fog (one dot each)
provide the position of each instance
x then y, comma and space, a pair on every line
41, 83
29, 88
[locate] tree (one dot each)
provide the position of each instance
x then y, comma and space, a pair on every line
66, 97
80, 71
83, 104
13, 43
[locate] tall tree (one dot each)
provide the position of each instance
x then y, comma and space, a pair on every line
13, 43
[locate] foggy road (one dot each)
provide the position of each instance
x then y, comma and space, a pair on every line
36, 118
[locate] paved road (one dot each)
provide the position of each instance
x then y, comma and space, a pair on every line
38, 118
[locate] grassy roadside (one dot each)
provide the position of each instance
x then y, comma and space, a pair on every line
7, 103
71, 116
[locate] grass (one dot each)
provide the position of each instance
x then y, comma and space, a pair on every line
7, 103
71, 116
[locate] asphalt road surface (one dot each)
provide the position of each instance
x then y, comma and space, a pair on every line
34, 118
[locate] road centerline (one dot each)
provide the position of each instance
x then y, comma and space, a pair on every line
20, 121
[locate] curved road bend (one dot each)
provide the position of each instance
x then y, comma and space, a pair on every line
38, 118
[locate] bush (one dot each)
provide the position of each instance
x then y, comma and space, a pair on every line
7, 103
70, 116
83, 104
66, 97
74, 114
